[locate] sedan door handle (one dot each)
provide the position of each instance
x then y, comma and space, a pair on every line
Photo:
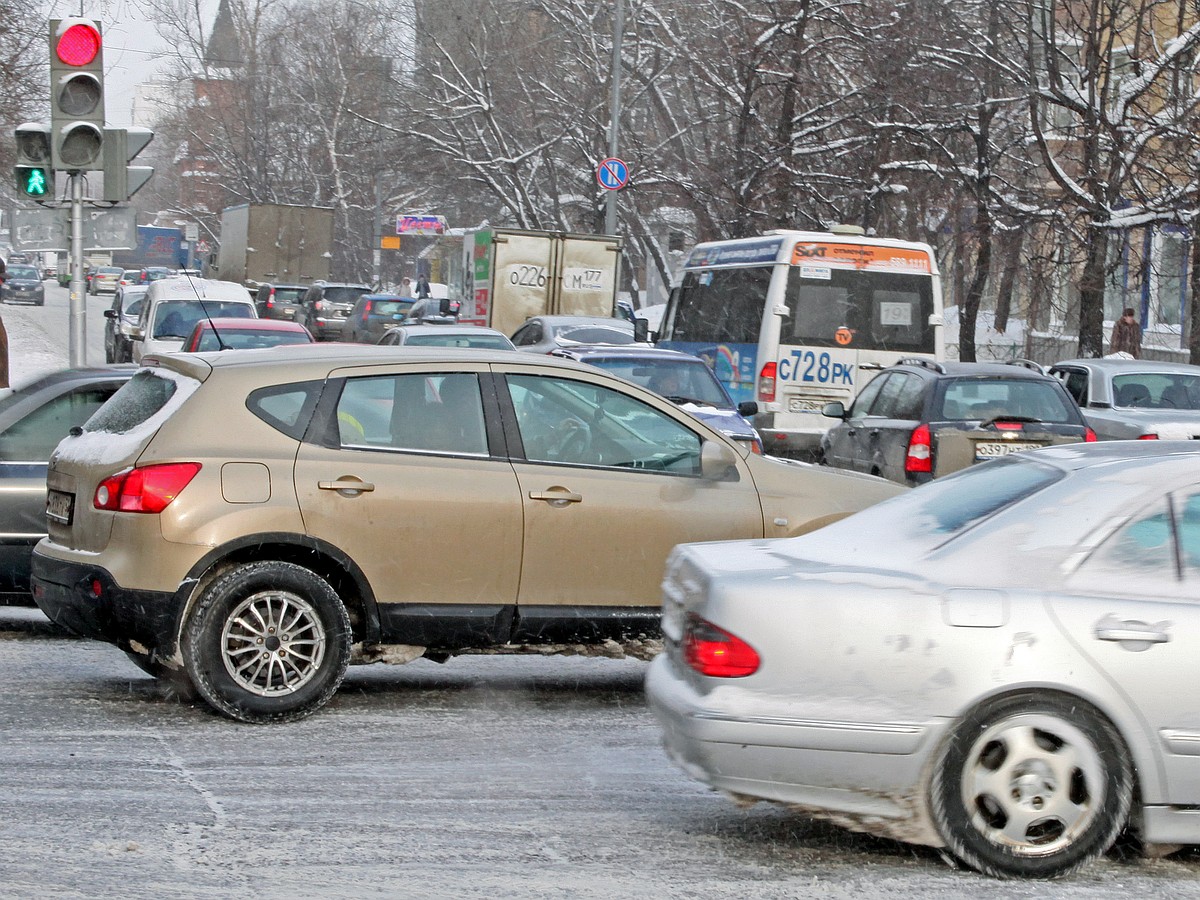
1112, 629
347, 485
557, 496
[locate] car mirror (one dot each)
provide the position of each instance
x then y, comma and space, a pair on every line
641, 330
110, 314
748, 408
718, 462
834, 410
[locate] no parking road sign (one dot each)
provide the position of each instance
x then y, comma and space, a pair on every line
612, 173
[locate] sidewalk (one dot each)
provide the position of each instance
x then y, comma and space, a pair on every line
31, 351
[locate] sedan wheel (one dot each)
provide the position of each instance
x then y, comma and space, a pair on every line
267, 642
1032, 786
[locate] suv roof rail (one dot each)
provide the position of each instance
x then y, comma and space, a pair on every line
1027, 364
922, 361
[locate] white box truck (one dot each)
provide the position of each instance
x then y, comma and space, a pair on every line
510, 274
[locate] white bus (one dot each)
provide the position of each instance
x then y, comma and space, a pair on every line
796, 319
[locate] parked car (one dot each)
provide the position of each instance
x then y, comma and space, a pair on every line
543, 334
1134, 399
23, 284
244, 334
922, 419
173, 306
685, 380
105, 279
994, 663
120, 321
326, 306
251, 559
373, 314
34, 417
280, 301
476, 336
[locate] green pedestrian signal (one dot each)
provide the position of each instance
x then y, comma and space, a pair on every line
33, 181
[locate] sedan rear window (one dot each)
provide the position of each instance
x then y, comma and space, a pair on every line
949, 506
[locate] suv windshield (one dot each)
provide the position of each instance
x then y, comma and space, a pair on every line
176, 318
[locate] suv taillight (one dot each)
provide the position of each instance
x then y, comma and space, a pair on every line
1089, 436
766, 383
271, 299
919, 457
146, 489
716, 652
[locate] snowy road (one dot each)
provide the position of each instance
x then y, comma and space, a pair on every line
485, 777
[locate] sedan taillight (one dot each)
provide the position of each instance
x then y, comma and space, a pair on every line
146, 489
716, 652
1147, 437
1089, 436
919, 457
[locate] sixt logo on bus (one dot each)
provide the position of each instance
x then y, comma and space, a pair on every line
809, 250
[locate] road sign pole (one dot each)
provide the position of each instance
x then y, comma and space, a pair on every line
610, 210
77, 330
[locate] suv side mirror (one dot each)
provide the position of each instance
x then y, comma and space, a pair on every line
748, 408
834, 410
641, 330
717, 462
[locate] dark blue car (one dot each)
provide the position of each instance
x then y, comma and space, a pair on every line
685, 380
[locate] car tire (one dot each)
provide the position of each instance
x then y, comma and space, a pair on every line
1032, 786
272, 685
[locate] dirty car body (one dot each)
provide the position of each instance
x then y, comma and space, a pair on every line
995, 662
389, 503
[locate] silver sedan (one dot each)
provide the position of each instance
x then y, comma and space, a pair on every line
1003, 662
1134, 399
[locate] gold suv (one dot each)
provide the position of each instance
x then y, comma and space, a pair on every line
250, 523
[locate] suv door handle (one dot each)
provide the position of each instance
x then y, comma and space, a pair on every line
347, 485
557, 496
1113, 629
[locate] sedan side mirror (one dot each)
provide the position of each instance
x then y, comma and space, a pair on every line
110, 314
835, 410
718, 462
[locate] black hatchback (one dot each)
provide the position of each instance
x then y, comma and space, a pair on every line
921, 419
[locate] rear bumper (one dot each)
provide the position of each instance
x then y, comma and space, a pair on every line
791, 440
87, 600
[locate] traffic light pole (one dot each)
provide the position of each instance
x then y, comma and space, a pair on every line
78, 305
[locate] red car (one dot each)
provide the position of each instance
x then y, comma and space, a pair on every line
244, 334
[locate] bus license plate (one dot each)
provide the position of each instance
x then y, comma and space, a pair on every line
803, 404
60, 506
993, 449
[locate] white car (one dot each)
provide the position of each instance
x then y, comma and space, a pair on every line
173, 306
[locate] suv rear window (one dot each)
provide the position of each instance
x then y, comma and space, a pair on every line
344, 294
976, 399
136, 401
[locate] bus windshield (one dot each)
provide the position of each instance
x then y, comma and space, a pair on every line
721, 306
881, 310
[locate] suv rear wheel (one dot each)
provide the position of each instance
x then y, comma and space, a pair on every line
267, 642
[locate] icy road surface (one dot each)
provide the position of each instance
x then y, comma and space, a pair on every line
483, 778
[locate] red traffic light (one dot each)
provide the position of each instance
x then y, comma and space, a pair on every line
79, 44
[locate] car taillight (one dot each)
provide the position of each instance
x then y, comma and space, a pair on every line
1147, 437
1089, 436
1009, 426
919, 457
366, 310
147, 489
766, 383
715, 652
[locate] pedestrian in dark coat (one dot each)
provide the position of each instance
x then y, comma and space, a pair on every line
1126, 335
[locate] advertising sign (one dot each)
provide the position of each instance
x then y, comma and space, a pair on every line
420, 224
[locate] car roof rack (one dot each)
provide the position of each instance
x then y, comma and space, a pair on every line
922, 361
1027, 364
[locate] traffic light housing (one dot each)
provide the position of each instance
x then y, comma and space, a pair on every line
76, 94
34, 176
121, 145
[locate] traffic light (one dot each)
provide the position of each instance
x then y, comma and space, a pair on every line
34, 177
121, 145
76, 94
